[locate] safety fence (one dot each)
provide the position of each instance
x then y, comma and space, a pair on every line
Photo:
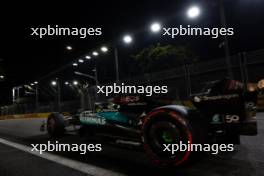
181, 81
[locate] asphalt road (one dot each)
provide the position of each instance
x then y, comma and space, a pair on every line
16, 159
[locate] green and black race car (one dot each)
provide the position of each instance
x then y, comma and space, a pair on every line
220, 114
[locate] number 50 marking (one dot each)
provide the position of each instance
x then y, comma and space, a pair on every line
231, 118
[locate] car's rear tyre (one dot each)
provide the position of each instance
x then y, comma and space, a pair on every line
55, 125
166, 127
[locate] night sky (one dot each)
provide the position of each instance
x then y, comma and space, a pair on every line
27, 58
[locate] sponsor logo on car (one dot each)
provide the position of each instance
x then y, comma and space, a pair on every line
207, 98
91, 118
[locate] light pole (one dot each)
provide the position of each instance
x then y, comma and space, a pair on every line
116, 64
187, 79
95, 78
2, 77
226, 43
16, 93
127, 39
89, 76
59, 96
194, 12
57, 84
37, 96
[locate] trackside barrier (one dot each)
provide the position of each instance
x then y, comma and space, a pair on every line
25, 116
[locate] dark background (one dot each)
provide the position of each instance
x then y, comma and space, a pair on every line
27, 58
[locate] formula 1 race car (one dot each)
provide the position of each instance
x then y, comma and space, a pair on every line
220, 114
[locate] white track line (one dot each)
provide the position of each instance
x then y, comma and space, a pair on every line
79, 166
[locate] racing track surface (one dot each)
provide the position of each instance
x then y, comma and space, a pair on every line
247, 160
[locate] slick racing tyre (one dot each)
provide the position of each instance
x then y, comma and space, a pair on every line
166, 127
55, 125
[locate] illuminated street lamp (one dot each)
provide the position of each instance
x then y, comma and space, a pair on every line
193, 12
66, 83
88, 57
75, 64
2, 76
69, 48
75, 83
104, 49
155, 27
81, 60
53, 83
127, 39
95, 53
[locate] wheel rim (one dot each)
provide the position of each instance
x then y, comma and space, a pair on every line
167, 137
163, 133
